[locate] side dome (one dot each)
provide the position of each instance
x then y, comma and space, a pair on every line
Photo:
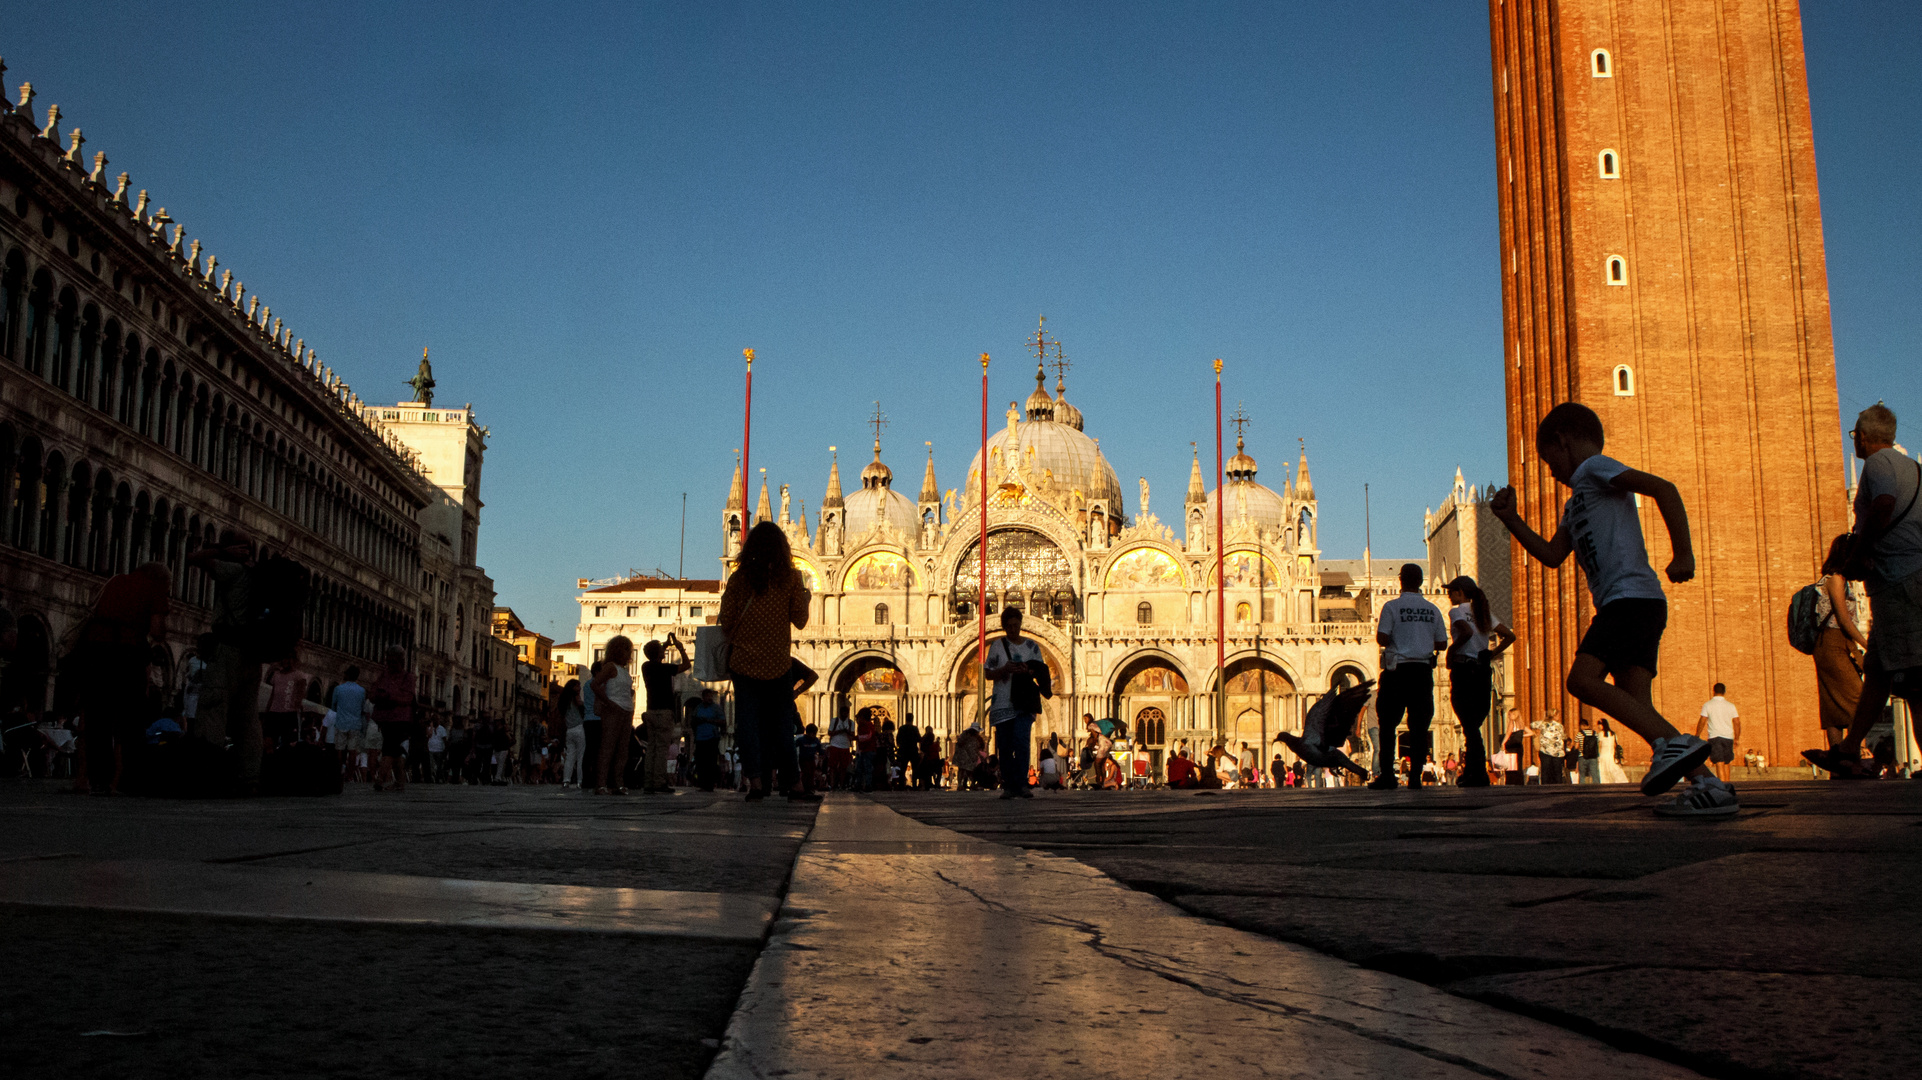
878, 501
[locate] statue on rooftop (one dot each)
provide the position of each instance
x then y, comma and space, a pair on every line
423, 381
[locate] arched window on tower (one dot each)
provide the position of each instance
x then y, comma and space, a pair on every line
880, 614
1617, 270
1601, 64
1624, 381
1144, 613
1609, 165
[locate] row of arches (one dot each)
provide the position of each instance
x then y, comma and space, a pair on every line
65, 508
63, 338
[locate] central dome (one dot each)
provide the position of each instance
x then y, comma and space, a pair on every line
1044, 445
1246, 498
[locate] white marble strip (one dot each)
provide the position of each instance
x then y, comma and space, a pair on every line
247, 891
1028, 965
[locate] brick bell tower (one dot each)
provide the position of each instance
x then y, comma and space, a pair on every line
1662, 264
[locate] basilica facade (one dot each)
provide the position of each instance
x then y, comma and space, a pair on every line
1123, 605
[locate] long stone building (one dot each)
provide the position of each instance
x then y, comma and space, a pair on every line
1122, 605
147, 402
1662, 263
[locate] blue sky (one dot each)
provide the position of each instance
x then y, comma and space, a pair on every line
588, 213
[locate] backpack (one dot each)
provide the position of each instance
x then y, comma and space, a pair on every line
1804, 626
276, 604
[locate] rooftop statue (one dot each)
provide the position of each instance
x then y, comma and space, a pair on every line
423, 381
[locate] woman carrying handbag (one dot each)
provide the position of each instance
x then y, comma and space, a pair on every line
764, 598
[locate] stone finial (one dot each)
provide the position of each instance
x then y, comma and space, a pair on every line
226, 277
253, 305
159, 221
180, 234
276, 329
211, 263
74, 143
240, 290
120, 189
140, 206
26, 100
193, 256
52, 130
99, 174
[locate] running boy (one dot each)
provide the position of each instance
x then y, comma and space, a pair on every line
1600, 526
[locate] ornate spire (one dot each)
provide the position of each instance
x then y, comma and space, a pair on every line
762, 511
1040, 405
1064, 413
832, 500
1304, 487
733, 489
1197, 490
930, 491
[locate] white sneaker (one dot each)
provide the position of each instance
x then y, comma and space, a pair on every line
1675, 758
1707, 797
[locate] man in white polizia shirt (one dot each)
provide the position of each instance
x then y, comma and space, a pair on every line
1410, 632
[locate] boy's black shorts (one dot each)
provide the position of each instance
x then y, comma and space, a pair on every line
1626, 634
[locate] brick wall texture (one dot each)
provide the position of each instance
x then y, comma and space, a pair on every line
1720, 320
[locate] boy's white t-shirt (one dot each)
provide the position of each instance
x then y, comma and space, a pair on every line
1606, 535
1464, 612
1416, 627
1720, 713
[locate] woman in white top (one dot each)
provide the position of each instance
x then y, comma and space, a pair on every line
614, 704
1612, 771
1476, 638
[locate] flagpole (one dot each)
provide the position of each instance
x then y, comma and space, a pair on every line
747, 417
981, 600
1221, 577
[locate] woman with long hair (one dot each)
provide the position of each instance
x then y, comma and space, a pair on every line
614, 703
1838, 645
1612, 771
763, 599
1476, 638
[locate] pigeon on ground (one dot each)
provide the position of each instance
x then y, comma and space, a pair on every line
1328, 727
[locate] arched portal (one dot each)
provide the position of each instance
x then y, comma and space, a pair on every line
1260, 703
871, 682
1148, 691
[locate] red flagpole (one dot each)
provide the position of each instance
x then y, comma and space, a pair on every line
747, 418
981, 601
1221, 577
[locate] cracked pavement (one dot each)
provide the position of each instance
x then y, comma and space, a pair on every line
1779, 944
1005, 962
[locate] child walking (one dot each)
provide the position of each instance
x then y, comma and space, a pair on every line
1600, 527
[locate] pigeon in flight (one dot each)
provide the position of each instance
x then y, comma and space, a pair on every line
1328, 726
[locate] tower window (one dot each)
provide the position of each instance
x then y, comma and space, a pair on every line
1243, 612
880, 614
1144, 613
1624, 381
1601, 64
1617, 270
1610, 165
